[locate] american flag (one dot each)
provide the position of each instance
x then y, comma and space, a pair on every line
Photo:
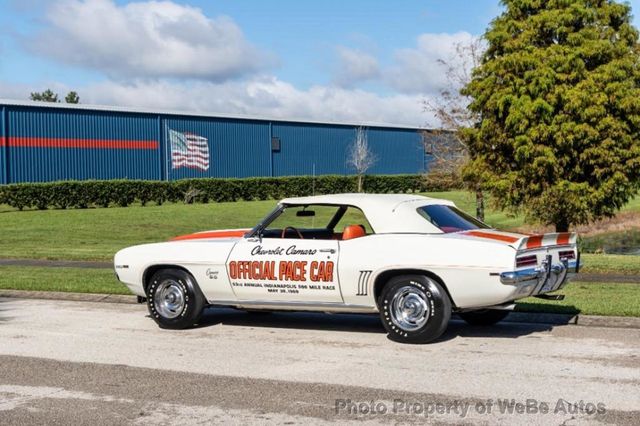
189, 150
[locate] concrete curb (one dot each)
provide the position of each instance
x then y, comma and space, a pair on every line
76, 297
514, 317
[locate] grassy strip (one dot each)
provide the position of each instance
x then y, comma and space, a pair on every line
73, 280
590, 299
610, 264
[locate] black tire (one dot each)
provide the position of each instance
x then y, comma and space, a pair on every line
484, 316
189, 301
433, 308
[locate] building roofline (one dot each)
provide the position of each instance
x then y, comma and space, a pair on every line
107, 108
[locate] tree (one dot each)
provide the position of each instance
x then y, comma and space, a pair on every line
450, 107
360, 156
46, 96
558, 92
50, 96
72, 98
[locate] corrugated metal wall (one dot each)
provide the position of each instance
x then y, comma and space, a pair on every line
236, 148
48, 143
4, 147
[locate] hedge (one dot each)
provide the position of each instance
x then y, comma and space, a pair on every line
83, 194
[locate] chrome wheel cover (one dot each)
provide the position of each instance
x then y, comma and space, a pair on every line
169, 299
410, 308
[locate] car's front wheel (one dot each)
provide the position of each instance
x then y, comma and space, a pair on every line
484, 316
414, 309
174, 299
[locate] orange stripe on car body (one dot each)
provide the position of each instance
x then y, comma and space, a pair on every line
534, 241
563, 238
212, 234
498, 237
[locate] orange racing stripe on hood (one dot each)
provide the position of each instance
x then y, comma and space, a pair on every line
235, 233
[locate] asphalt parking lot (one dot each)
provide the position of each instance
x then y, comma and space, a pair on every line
80, 362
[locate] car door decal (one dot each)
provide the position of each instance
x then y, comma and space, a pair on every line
277, 269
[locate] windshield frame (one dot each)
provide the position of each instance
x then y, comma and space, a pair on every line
256, 231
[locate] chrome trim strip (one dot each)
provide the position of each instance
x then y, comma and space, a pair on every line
317, 306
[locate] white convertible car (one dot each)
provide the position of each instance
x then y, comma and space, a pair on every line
412, 259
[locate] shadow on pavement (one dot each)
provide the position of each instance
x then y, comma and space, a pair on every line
504, 330
360, 323
3, 310
293, 320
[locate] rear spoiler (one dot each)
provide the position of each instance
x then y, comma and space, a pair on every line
546, 240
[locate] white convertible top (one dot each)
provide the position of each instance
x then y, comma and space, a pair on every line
386, 213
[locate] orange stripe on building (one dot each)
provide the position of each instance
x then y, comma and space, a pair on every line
497, 237
563, 238
535, 241
38, 142
212, 234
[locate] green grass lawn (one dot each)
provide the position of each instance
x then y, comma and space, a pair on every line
96, 234
75, 280
585, 298
590, 299
610, 264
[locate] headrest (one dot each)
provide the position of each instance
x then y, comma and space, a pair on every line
353, 231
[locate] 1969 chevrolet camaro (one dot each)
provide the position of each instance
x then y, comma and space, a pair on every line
412, 259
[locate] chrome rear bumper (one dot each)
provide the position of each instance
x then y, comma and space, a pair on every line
547, 277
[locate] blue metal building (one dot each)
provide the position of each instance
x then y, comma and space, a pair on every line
41, 142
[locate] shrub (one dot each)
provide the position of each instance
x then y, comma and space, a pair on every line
83, 194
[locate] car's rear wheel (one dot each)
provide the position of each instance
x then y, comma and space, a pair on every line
174, 299
414, 309
484, 316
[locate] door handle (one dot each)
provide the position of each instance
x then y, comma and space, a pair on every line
327, 251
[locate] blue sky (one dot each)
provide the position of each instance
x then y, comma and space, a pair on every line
367, 61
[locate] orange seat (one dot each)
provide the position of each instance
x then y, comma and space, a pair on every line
353, 231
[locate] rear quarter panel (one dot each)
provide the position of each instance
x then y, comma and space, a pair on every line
464, 265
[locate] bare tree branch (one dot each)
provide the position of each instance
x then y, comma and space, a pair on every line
360, 156
450, 153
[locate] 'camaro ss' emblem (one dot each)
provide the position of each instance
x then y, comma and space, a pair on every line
213, 275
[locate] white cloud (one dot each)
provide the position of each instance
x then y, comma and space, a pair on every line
418, 70
15, 91
146, 39
160, 54
355, 66
264, 96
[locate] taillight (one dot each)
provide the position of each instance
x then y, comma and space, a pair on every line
530, 260
566, 255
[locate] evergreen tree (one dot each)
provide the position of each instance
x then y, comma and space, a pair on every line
558, 92
46, 96
72, 98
